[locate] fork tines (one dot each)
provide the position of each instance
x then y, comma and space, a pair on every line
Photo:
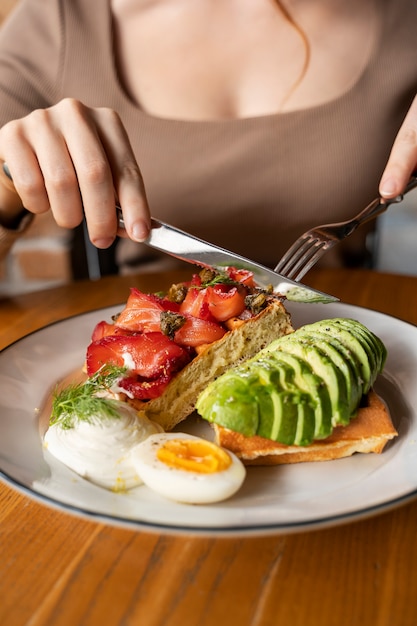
302, 255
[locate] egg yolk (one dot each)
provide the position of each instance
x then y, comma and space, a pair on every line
194, 456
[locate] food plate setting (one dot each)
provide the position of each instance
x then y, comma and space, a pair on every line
280, 499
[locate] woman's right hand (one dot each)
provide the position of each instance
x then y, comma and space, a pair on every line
75, 160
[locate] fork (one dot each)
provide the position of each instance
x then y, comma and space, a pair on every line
314, 243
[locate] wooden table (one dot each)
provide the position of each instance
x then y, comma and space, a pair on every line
57, 569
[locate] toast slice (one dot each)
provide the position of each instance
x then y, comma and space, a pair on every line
240, 343
369, 431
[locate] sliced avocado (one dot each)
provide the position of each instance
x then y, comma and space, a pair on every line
286, 413
341, 357
262, 398
301, 385
266, 409
326, 368
355, 329
228, 402
310, 383
306, 424
277, 421
278, 398
278, 414
376, 346
355, 346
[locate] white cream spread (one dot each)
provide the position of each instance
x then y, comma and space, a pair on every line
99, 449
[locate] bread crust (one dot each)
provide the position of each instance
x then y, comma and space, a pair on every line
244, 341
369, 431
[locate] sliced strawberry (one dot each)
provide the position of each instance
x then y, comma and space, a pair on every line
196, 332
225, 302
142, 312
150, 355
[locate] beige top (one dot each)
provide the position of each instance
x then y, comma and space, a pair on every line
253, 184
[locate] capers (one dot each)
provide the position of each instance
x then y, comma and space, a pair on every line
256, 302
177, 293
171, 322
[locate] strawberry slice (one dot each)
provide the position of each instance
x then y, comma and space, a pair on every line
196, 332
150, 355
142, 312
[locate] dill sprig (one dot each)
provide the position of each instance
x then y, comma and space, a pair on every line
83, 402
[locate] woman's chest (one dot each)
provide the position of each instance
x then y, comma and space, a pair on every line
209, 60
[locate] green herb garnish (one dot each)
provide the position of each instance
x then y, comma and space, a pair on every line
82, 402
211, 278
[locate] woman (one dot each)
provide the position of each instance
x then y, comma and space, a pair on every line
242, 122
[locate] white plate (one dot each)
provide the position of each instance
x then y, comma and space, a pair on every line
277, 499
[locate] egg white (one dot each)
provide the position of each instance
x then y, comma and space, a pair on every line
183, 485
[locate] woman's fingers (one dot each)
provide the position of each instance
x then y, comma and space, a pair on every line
403, 158
23, 166
127, 178
75, 160
55, 168
93, 171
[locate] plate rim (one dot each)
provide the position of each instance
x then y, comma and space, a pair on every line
226, 531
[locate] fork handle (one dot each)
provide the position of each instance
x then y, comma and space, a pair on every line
379, 205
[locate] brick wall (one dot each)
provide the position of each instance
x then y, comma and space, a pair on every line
41, 258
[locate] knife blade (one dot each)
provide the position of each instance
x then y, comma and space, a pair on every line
186, 247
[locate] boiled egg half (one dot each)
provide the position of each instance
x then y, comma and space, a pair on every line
187, 469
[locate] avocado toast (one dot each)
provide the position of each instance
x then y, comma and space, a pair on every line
306, 396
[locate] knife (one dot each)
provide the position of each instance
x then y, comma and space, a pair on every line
188, 248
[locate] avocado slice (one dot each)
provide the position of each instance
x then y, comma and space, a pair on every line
277, 410
293, 410
306, 424
278, 414
310, 383
355, 330
356, 347
228, 402
376, 346
341, 357
325, 367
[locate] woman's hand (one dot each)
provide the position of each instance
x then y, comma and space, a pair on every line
75, 160
403, 158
